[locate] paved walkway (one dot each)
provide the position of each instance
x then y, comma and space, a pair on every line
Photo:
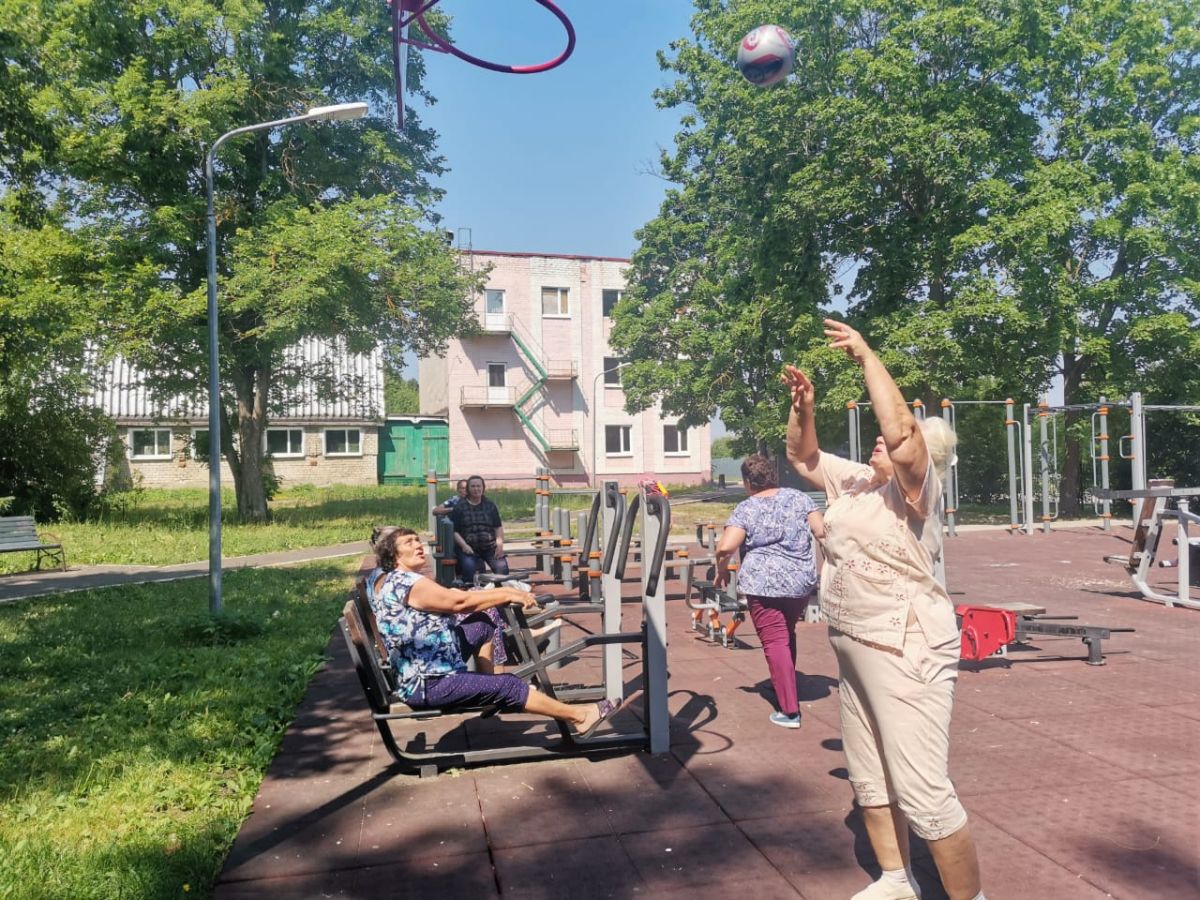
86, 578
1081, 782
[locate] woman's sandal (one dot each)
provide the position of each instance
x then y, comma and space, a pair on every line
606, 708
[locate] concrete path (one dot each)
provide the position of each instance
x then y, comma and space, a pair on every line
1081, 782
86, 578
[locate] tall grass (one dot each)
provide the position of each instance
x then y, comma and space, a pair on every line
134, 731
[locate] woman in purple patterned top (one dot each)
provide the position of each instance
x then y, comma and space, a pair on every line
774, 527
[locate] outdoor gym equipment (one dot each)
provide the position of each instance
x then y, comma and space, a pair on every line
1153, 511
1019, 433
379, 686
989, 630
404, 13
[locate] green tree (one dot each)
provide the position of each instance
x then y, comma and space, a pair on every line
722, 447
26, 140
1105, 230
866, 171
1001, 187
55, 441
401, 396
322, 231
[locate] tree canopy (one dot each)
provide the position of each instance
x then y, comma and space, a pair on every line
995, 192
322, 230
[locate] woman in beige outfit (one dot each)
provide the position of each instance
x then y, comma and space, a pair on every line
892, 626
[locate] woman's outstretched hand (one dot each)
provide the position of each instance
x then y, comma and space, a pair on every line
843, 337
802, 389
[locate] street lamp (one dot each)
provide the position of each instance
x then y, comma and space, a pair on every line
335, 113
596, 420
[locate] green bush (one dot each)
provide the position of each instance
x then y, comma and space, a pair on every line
53, 452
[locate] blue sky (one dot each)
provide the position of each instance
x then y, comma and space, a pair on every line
557, 162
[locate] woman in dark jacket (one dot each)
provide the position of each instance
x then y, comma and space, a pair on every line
478, 532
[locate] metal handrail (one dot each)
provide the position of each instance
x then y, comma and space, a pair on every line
483, 395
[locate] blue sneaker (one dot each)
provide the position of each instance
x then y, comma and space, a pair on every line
778, 718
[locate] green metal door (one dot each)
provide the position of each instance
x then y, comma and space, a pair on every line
407, 450
435, 448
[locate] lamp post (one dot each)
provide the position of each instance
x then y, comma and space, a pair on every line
596, 420
337, 112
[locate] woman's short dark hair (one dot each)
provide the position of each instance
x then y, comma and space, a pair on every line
479, 478
385, 547
760, 472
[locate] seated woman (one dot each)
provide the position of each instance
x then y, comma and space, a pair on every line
460, 495
429, 645
774, 526
478, 532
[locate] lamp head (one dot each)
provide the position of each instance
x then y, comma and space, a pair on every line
339, 112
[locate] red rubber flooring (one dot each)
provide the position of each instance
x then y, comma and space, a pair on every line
1081, 782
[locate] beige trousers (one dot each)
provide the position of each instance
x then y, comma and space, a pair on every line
895, 711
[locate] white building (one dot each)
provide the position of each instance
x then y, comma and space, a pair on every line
540, 387
326, 436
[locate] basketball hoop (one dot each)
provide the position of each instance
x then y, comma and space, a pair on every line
405, 12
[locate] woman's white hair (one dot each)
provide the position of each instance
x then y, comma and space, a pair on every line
941, 441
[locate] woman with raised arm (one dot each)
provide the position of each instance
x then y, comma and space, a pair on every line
892, 626
431, 631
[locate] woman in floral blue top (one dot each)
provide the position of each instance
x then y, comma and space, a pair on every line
428, 645
774, 527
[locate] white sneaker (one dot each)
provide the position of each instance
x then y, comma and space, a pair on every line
778, 718
888, 889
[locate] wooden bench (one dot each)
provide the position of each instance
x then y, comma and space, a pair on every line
18, 534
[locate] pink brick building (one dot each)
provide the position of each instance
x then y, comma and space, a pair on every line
541, 386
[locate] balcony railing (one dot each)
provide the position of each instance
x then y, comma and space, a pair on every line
496, 323
480, 395
563, 438
560, 370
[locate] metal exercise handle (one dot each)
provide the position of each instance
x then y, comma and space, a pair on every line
627, 535
613, 499
659, 508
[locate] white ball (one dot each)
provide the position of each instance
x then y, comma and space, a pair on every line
766, 55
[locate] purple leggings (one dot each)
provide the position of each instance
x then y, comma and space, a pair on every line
775, 621
470, 688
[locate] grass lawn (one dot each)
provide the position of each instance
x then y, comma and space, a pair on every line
161, 527
134, 734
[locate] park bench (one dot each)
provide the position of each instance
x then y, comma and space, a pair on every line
18, 534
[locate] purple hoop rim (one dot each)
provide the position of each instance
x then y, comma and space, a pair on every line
437, 42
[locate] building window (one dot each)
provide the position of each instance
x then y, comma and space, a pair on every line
285, 442
612, 371
496, 374
343, 442
493, 301
150, 443
617, 440
675, 440
199, 448
609, 299
555, 302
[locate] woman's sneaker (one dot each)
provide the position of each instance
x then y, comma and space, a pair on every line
778, 718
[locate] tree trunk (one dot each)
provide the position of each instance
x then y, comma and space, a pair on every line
250, 388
